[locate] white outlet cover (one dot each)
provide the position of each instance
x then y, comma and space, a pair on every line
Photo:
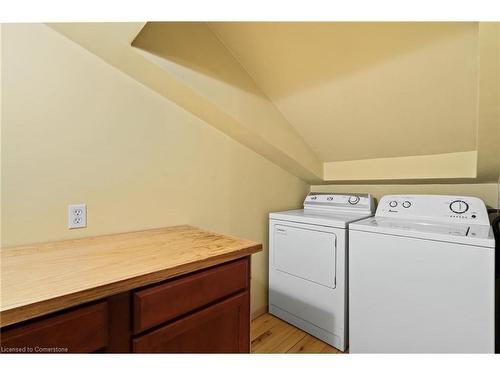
77, 216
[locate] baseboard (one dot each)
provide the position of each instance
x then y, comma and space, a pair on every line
258, 312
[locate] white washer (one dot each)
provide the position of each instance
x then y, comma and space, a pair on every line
308, 263
422, 277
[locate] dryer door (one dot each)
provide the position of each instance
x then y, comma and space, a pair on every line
305, 253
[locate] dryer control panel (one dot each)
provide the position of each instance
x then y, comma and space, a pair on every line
445, 208
339, 202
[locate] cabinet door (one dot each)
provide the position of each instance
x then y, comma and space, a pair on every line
81, 330
153, 305
220, 328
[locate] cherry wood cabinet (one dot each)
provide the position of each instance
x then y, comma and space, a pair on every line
207, 311
220, 328
80, 330
153, 305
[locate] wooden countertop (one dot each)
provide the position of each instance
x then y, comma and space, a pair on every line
43, 278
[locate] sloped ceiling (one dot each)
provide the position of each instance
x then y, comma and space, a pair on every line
366, 90
361, 101
163, 56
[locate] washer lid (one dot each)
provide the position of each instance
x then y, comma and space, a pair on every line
319, 217
478, 235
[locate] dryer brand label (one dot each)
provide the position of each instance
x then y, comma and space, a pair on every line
281, 231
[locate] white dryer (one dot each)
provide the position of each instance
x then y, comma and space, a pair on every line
422, 277
308, 263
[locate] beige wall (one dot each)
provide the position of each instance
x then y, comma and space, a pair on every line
193, 53
422, 167
365, 90
488, 137
387, 102
75, 129
253, 121
382, 100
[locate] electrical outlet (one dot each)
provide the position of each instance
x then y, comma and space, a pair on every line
77, 216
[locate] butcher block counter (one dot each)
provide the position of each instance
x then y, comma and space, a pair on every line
171, 290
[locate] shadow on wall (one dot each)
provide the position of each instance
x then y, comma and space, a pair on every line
194, 46
307, 53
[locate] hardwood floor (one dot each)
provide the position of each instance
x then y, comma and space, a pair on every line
269, 334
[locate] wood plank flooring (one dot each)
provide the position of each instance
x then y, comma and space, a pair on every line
269, 334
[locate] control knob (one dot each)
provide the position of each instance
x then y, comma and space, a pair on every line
393, 203
406, 204
459, 207
353, 199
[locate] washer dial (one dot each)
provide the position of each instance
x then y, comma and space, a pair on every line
353, 200
459, 207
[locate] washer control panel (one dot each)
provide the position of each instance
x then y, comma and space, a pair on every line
339, 202
447, 208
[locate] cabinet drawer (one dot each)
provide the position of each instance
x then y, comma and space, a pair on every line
82, 330
220, 328
161, 303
